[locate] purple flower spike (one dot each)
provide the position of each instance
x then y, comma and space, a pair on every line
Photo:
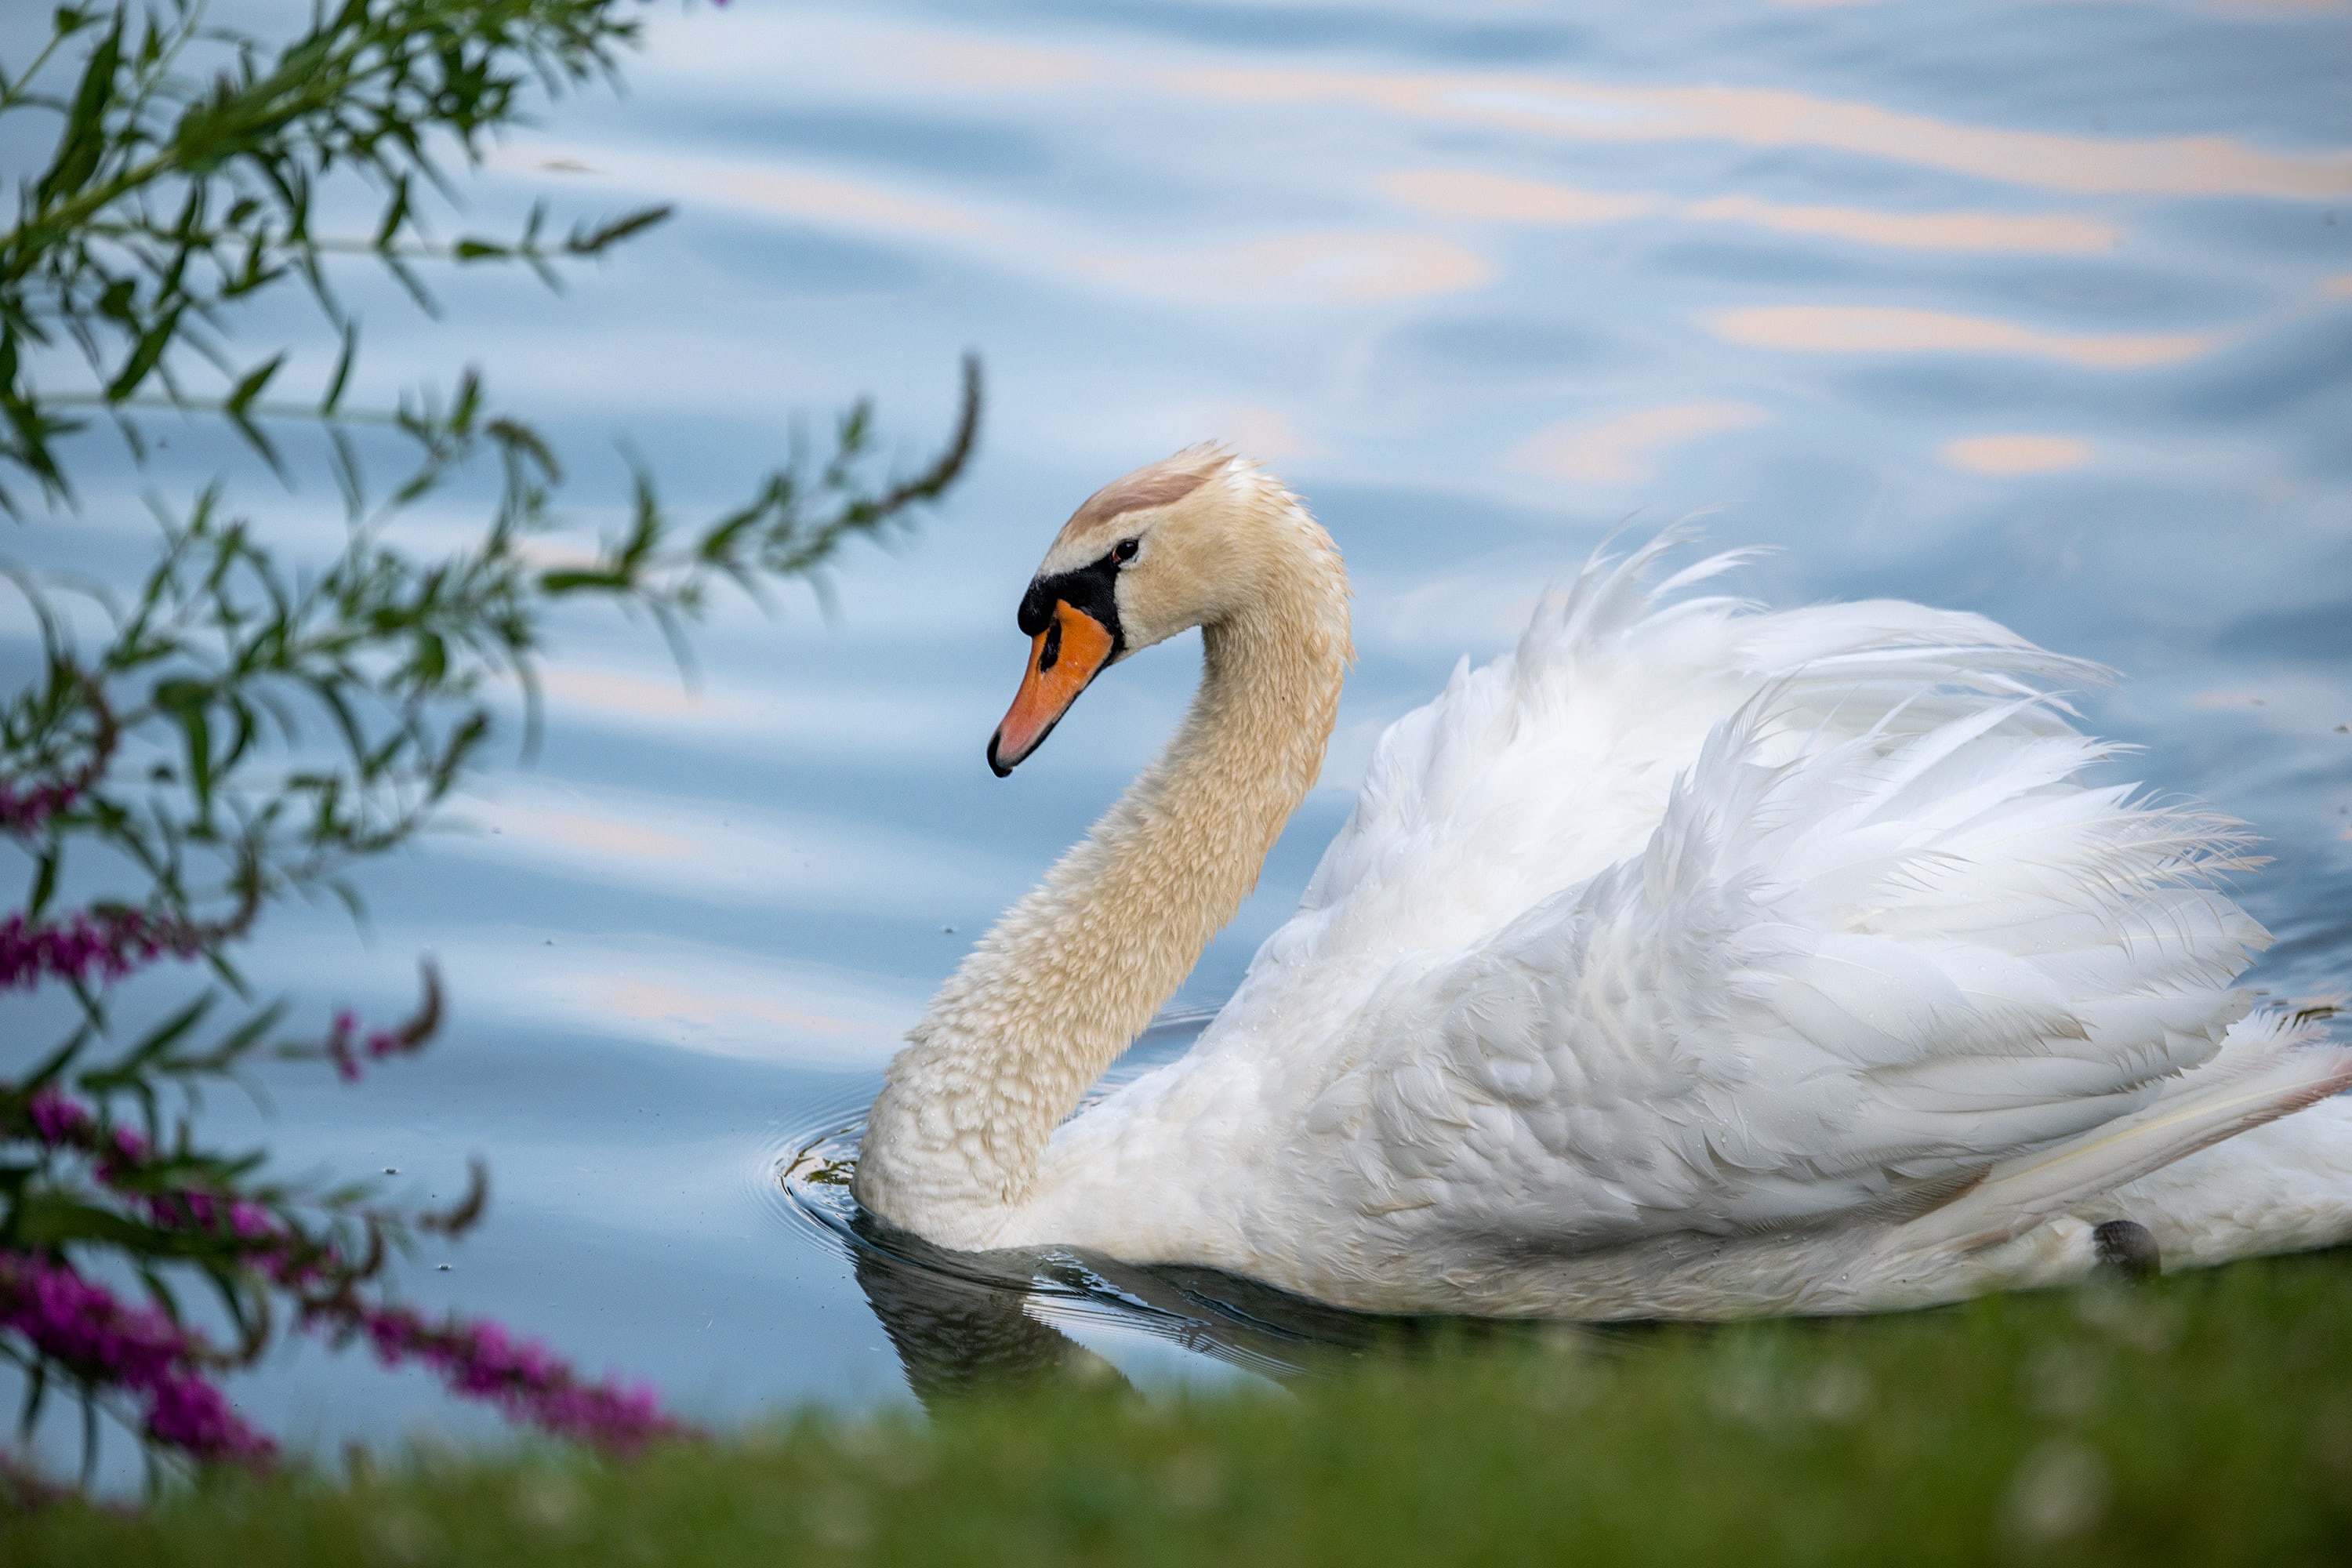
86, 1329
24, 810
92, 945
140, 1351
58, 1121
525, 1380
350, 1053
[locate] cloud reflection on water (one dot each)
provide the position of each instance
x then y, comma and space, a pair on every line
1883, 329
1624, 450
618, 838
1760, 117
1500, 198
2022, 454
1320, 266
2046, 233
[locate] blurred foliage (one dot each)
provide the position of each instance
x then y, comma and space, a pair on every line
2206, 1418
248, 717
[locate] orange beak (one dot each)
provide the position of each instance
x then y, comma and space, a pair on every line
1069, 653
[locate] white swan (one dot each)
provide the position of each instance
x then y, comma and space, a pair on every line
1690, 961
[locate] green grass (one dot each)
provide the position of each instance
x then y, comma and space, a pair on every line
2206, 1418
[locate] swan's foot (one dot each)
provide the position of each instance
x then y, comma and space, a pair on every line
2125, 1250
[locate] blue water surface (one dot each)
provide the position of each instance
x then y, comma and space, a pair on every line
2037, 309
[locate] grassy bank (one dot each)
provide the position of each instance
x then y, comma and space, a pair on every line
2206, 1418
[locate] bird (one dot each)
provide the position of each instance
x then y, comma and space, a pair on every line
1690, 960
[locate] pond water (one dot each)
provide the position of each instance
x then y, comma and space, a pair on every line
2036, 309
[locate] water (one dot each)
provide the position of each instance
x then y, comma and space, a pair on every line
2040, 310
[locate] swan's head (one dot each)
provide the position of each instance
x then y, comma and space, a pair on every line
1165, 549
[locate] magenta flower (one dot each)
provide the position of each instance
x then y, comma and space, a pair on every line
347, 1049
525, 1380
24, 810
137, 1350
92, 944
58, 1121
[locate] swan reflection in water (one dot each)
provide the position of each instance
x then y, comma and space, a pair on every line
963, 1321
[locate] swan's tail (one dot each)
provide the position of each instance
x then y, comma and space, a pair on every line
2271, 1063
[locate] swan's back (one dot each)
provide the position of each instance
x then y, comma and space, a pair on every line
1687, 921
1553, 762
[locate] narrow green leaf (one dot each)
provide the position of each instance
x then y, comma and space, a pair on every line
83, 143
343, 372
250, 386
588, 242
37, 1390
145, 353
44, 884
185, 701
395, 213
154, 1045
573, 582
49, 1218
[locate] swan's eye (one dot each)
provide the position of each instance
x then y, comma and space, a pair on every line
1124, 550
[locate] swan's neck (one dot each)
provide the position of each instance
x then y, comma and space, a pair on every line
1074, 971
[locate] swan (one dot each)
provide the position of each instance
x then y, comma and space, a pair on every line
1690, 960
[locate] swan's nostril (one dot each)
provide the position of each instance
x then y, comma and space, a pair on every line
1069, 650
1051, 651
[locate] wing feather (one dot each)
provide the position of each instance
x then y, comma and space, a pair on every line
1874, 940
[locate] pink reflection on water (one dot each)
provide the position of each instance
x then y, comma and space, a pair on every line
2015, 453
1337, 266
1499, 198
621, 693
651, 999
1620, 451
1765, 117
599, 834
2048, 233
1880, 329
